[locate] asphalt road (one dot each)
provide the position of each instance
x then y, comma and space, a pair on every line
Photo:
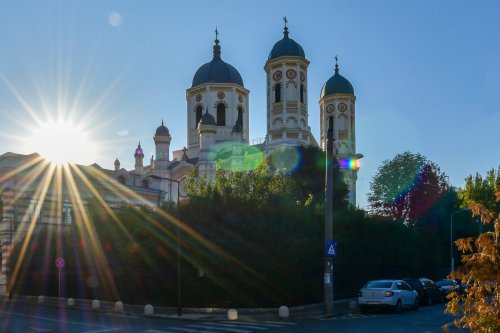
28, 318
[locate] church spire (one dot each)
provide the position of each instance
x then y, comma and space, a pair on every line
336, 64
285, 30
216, 45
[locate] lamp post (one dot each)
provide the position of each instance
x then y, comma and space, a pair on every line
178, 236
328, 275
452, 260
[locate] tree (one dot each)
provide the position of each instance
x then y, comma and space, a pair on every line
406, 187
480, 270
479, 189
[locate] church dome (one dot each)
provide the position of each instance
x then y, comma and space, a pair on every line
138, 151
286, 47
207, 119
162, 130
217, 71
337, 84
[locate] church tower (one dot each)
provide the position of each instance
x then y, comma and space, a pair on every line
337, 111
218, 88
162, 140
139, 158
287, 114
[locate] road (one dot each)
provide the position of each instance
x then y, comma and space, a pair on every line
31, 318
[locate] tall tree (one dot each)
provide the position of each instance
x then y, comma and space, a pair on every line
406, 187
480, 305
479, 189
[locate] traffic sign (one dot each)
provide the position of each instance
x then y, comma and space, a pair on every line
331, 249
60, 262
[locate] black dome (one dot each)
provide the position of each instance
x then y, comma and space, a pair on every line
286, 47
337, 84
162, 130
216, 71
207, 119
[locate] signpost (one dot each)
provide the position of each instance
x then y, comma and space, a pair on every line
331, 249
60, 265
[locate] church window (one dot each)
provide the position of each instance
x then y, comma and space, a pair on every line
330, 123
277, 93
199, 112
145, 183
342, 123
240, 115
221, 114
301, 93
352, 124
67, 214
121, 179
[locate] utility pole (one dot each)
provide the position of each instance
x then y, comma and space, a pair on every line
328, 277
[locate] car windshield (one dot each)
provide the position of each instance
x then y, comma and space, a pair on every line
378, 284
444, 283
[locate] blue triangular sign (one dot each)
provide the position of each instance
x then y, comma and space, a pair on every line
331, 250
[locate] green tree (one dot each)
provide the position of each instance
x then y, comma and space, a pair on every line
479, 189
480, 305
406, 187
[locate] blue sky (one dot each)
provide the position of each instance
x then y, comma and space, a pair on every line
426, 73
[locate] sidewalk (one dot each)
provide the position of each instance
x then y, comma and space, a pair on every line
194, 314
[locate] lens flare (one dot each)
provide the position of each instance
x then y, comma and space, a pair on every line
236, 156
287, 159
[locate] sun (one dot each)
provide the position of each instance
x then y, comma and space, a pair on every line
62, 142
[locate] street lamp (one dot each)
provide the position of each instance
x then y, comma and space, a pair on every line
178, 236
329, 244
452, 261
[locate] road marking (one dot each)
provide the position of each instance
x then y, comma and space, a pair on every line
221, 328
245, 325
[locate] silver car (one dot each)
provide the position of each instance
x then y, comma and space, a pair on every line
395, 294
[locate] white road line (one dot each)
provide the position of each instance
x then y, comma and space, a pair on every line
245, 325
254, 324
280, 322
226, 329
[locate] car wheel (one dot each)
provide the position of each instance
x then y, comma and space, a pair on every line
398, 307
416, 304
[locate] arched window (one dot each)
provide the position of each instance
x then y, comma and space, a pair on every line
301, 93
221, 114
121, 179
277, 93
145, 183
240, 116
199, 113
330, 123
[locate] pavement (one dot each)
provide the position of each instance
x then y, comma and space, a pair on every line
343, 306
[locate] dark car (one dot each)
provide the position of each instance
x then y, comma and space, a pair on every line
427, 290
447, 286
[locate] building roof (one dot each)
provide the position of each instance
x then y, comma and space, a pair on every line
286, 47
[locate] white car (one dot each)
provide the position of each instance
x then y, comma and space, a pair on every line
395, 294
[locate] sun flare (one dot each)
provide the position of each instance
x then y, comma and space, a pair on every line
62, 142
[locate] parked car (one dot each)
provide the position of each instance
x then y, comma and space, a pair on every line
395, 294
428, 291
447, 286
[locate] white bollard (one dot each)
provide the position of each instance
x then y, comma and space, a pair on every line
119, 307
96, 304
41, 299
232, 314
283, 312
70, 302
149, 310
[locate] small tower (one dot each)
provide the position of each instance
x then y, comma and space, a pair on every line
162, 140
117, 164
337, 111
287, 114
139, 157
207, 129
